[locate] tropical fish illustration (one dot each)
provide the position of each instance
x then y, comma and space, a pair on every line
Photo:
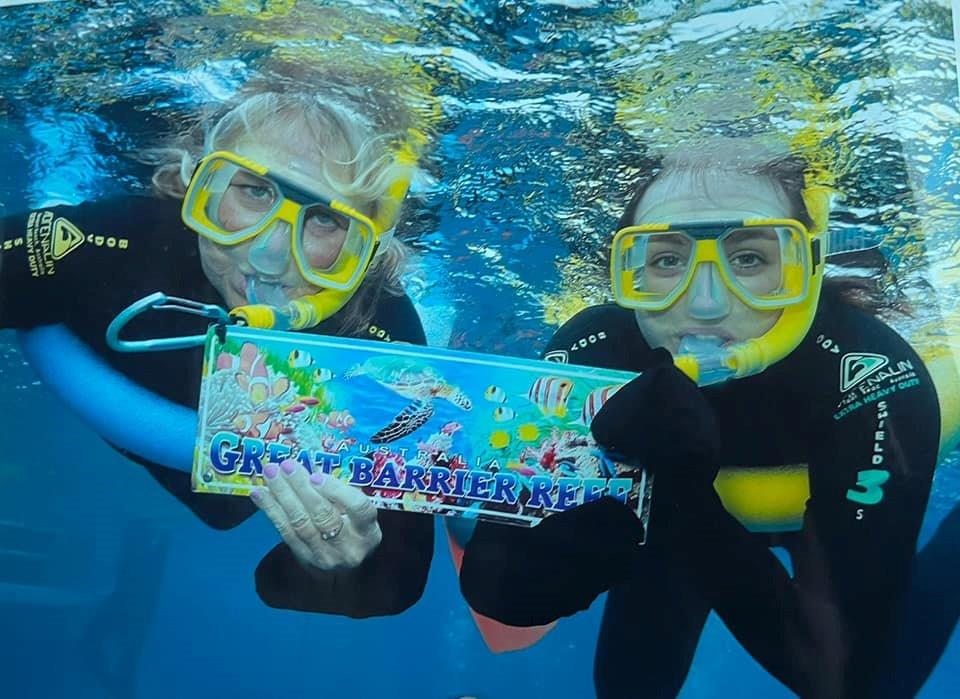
337, 419
594, 401
321, 375
263, 393
503, 414
261, 425
551, 394
254, 377
299, 359
495, 394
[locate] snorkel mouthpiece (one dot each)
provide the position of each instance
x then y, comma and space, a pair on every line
300, 314
261, 292
705, 360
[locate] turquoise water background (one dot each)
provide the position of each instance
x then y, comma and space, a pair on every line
111, 588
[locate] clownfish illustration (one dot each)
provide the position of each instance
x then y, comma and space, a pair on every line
495, 394
550, 394
257, 425
254, 378
298, 359
594, 401
337, 419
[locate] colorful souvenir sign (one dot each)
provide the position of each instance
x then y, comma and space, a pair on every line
418, 429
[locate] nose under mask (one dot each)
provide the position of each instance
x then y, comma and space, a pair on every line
709, 298
269, 253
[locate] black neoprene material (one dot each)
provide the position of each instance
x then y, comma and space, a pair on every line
112, 253
825, 631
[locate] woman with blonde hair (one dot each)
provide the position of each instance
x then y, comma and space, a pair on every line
281, 208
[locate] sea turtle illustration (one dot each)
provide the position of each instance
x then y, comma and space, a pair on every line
415, 381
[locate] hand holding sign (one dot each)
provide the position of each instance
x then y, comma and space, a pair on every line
325, 522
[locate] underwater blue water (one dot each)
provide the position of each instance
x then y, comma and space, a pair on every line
202, 630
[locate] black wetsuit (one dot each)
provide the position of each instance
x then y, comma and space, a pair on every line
853, 403
81, 265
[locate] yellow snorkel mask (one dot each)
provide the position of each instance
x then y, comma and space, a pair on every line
232, 200
768, 264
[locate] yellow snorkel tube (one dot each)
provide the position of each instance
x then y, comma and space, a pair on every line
652, 266
308, 311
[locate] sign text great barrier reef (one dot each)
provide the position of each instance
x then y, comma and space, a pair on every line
418, 429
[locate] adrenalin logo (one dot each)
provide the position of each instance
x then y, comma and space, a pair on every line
66, 238
557, 356
856, 366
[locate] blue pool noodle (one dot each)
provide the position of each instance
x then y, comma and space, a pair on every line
125, 414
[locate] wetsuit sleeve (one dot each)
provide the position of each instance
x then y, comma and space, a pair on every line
870, 481
392, 578
389, 581
214, 510
60, 260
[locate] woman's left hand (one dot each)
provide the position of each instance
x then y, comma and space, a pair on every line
662, 421
326, 523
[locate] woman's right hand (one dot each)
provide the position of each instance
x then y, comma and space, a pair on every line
326, 523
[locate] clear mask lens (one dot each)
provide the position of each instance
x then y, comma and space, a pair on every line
763, 265
240, 200
231, 204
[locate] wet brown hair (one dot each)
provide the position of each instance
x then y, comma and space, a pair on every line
788, 173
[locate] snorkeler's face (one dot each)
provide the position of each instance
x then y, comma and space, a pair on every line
263, 270
708, 309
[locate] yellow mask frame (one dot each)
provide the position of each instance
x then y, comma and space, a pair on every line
707, 238
292, 203
309, 311
754, 355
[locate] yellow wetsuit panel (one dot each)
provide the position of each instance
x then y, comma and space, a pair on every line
767, 499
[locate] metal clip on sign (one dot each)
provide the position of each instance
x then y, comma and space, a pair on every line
161, 302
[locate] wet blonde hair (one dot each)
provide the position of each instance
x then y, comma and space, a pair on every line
359, 163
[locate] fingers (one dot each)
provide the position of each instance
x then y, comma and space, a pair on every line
322, 514
326, 522
263, 499
303, 512
357, 506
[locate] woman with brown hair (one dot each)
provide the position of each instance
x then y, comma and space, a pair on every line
814, 427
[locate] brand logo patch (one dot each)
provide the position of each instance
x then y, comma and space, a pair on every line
557, 356
856, 366
66, 238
